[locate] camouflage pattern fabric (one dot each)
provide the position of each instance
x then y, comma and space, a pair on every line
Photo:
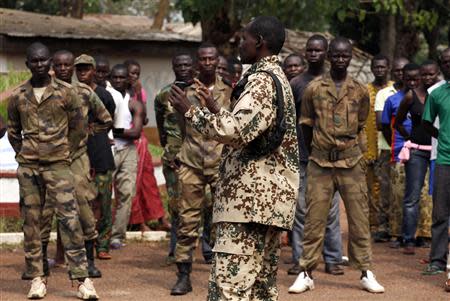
246, 263
262, 191
324, 109
85, 193
397, 193
198, 151
173, 187
192, 205
382, 172
55, 182
102, 210
351, 185
52, 129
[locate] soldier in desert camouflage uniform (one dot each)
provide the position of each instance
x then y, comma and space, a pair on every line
259, 172
333, 116
85, 193
45, 125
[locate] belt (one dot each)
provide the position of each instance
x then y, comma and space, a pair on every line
334, 155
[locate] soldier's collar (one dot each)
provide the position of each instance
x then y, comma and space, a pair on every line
262, 64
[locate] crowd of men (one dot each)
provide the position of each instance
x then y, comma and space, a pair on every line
246, 157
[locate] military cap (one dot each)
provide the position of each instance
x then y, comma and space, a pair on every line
85, 59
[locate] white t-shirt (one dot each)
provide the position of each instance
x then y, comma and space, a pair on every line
434, 141
380, 99
38, 92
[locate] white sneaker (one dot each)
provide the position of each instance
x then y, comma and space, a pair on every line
38, 289
302, 284
370, 284
86, 290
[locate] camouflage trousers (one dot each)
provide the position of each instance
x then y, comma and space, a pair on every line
102, 210
172, 186
379, 197
321, 187
397, 193
192, 205
52, 186
84, 194
245, 263
124, 178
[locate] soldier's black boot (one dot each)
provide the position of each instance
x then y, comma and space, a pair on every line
92, 270
183, 285
45, 266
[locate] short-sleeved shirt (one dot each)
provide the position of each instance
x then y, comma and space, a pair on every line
434, 142
336, 118
438, 105
389, 113
380, 99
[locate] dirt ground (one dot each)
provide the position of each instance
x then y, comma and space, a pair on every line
138, 272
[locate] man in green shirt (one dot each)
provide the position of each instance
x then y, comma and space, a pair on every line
438, 105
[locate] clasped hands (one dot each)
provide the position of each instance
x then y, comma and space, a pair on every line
181, 103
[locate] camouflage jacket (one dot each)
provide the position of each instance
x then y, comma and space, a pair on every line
260, 191
198, 151
48, 131
338, 121
168, 123
90, 105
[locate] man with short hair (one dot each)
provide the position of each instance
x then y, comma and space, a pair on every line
63, 66
128, 122
198, 159
438, 105
293, 65
102, 77
315, 53
100, 156
45, 126
388, 209
334, 112
221, 69
258, 182
170, 138
378, 221
237, 65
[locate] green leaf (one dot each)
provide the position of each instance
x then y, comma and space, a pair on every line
362, 15
341, 15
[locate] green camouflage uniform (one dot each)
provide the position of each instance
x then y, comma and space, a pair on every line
200, 159
170, 136
85, 191
43, 135
254, 200
335, 165
102, 210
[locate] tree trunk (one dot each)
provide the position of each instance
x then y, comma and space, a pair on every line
407, 41
64, 7
221, 28
77, 9
432, 38
163, 9
387, 35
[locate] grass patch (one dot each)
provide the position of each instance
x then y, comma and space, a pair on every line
10, 224
12, 78
155, 150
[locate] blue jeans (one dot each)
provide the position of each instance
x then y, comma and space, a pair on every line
415, 172
332, 247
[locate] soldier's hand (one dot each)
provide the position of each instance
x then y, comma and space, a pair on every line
178, 100
207, 98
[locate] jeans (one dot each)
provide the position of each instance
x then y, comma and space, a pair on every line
441, 212
415, 171
332, 247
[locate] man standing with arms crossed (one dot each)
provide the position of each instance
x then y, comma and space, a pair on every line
334, 112
258, 177
315, 53
45, 125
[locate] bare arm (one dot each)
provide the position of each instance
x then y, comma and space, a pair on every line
138, 112
401, 115
387, 133
378, 116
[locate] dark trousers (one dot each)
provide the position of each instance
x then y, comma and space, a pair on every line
441, 212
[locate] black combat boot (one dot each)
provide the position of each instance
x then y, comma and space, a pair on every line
183, 285
92, 270
45, 266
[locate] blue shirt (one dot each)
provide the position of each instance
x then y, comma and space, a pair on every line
389, 113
